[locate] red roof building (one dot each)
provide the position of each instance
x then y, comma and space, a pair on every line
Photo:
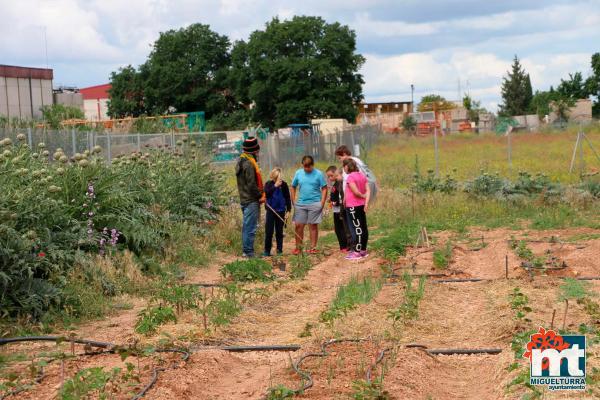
95, 101
96, 92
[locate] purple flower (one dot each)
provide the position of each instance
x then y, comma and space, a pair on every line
208, 204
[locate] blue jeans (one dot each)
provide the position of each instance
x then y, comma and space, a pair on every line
249, 223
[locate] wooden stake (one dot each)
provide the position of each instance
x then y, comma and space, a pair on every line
426, 236
506, 266
553, 315
565, 315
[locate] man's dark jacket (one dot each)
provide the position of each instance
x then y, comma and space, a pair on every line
246, 182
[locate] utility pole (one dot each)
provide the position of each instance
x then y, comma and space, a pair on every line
412, 97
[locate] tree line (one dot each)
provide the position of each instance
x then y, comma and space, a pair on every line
289, 72
519, 99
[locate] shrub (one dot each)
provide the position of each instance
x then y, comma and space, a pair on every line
250, 270
54, 214
442, 256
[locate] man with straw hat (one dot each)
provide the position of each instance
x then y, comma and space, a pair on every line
250, 189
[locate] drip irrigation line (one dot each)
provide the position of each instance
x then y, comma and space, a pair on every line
588, 278
374, 365
463, 351
109, 347
285, 347
93, 343
460, 280
305, 376
452, 351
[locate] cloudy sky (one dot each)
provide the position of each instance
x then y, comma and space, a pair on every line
437, 45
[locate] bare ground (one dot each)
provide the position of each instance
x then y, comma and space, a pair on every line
454, 315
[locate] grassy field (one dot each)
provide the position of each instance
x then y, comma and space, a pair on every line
465, 155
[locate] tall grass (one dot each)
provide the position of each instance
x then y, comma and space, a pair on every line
349, 296
464, 155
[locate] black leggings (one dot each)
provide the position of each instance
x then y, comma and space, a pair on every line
274, 223
357, 224
341, 229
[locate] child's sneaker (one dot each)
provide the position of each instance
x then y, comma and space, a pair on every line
344, 250
353, 256
296, 252
266, 254
313, 251
364, 253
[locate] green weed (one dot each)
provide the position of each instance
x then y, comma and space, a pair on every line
248, 270
300, 265
442, 256
280, 392
151, 318
409, 309
363, 390
349, 296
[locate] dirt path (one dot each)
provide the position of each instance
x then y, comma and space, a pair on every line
278, 320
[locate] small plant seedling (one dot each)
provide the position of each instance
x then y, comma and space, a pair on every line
350, 296
442, 256
409, 309
363, 390
280, 392
300, 265
306, 332
150, 318
519, 302
572, 289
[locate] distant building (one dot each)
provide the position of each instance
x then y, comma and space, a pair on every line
68, 96
95, 102
24, 91
389, 115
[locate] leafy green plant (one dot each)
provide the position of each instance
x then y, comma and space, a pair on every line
363, 390
409, 309
349, 296
247, 270
300, 265
442, 256
519, 302
179, 296
87, 383
223, 309
280, 392
395, 242
151, 318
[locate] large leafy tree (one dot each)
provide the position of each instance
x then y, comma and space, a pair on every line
301, 69
187, 70
126, 93
593, 83
574, 88
516, 91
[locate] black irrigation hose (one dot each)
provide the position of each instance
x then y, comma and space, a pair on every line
291, 347
374, 365
110, 347
588, 278
459, 280
156, 371
103, 345
464, 351
306, 377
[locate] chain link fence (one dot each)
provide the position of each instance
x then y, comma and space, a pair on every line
223, 147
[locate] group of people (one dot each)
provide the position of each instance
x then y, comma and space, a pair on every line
349, 195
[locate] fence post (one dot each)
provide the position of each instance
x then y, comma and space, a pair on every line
108, 150
73, 142
29, 140
437, 159
139, 143
268, 142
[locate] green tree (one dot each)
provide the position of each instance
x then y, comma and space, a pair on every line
473, 108
434, 101
574, 88
303, 68
187, 69
126, 93
593, 83
516, 91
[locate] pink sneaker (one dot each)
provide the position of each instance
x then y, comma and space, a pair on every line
364, 253
353, 256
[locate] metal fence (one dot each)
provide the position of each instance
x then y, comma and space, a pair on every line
287, 152
222, 147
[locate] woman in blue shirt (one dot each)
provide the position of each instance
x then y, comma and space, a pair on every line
309, 192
